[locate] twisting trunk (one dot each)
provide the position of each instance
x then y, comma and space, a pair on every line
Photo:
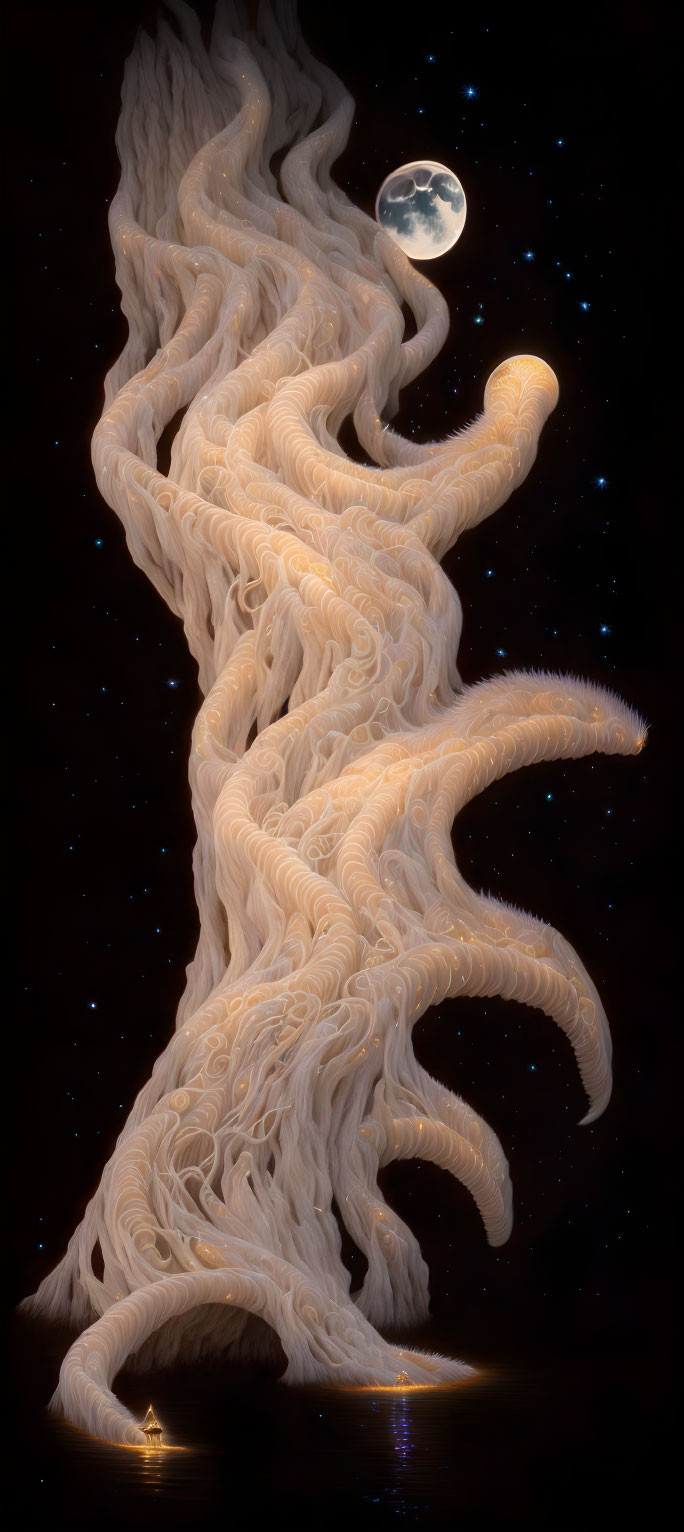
334, 745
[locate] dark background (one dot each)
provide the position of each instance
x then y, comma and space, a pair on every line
565, 152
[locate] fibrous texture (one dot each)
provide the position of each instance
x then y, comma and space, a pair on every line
332, 751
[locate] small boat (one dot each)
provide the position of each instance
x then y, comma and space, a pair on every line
152, 1429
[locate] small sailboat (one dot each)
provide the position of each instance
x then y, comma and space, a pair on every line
152, 1429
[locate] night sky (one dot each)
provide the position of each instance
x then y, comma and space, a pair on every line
555, 129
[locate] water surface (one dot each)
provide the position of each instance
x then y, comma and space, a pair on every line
564, 1442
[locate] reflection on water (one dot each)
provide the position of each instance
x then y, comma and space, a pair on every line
91, 1479
511, 1447
152, 1469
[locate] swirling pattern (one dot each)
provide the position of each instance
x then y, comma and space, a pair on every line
333, 749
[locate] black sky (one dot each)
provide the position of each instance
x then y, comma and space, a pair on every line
565, 154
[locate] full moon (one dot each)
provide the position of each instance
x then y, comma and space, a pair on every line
422, 206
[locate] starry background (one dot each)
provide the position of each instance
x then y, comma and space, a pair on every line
568, 252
